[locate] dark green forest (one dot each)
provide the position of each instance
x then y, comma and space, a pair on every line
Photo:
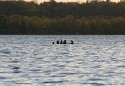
20, 17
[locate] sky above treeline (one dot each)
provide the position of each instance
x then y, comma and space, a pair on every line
39, 1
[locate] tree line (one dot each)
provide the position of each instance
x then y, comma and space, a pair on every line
16, 24
20, 17
61, 9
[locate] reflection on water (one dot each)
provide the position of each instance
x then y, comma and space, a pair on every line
35, 61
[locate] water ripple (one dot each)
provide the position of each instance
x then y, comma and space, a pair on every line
35, 61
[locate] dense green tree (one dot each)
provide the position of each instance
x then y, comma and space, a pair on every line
3, 24
20, 17
59, 9
16, 24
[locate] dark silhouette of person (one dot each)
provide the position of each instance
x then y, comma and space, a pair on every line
72, 42
53, 43
64, 42
57, 42
61, 42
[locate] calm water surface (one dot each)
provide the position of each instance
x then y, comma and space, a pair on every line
35, 61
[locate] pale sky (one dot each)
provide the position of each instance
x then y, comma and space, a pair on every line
69, 0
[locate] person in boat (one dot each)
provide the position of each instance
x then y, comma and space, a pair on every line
57, 42
61, 42
72, 42
64, 42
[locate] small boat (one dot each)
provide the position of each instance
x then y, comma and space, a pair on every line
62, 42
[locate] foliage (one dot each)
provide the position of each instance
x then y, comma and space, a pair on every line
17, 24
20, 17
59, 9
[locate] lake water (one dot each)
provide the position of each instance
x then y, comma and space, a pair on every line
34, 61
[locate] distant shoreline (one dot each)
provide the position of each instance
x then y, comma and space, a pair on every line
58, 18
